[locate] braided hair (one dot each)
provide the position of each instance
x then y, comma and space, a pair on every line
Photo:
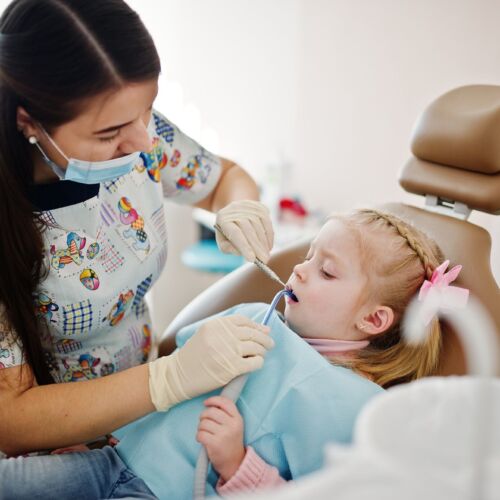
394, 278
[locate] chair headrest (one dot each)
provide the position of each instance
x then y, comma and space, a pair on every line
456, 143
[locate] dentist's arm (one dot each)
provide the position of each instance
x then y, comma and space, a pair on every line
36, 417
234, 184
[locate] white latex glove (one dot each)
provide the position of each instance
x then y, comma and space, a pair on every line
220, 350
248, 228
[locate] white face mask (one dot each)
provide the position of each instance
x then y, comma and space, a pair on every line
88, 172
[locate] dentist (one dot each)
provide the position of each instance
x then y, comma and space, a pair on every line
85, 165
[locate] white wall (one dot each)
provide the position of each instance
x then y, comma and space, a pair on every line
332, 85
367, 71
237, 63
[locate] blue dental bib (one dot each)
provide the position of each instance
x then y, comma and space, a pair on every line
292, 407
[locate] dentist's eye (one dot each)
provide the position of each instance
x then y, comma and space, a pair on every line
109, 139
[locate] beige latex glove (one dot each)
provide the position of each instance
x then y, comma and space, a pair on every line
248, 228
220, 350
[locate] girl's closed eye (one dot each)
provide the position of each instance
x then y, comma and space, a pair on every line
327, 274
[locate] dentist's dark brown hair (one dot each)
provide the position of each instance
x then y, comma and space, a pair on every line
53, 55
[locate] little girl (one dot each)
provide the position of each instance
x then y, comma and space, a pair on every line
353, 287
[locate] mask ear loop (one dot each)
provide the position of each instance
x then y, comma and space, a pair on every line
53, 142
53, 165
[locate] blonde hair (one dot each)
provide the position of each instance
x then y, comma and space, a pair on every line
394, 278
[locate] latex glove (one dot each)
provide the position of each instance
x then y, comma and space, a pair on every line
220, 350
248, 228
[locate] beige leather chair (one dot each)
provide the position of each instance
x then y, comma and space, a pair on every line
456, 166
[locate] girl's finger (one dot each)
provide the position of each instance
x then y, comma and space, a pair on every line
216, 414
209, 426
224, 404
204, 438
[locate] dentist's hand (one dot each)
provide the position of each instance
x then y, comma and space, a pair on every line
248, 228
220, 350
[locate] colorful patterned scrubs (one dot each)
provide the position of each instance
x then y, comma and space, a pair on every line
105, 247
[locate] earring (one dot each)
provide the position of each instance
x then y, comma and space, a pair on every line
362, 327
32, 139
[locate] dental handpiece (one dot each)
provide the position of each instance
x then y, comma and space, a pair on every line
231, 391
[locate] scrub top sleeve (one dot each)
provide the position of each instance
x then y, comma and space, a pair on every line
11, 351
187, 171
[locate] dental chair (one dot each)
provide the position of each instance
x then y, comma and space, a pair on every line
456, 166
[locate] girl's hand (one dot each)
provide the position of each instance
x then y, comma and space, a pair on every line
221, 432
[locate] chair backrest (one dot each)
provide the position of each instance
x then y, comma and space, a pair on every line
456, 164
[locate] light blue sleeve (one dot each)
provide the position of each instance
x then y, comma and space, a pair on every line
187, 171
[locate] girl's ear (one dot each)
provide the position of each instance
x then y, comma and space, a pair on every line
378, 321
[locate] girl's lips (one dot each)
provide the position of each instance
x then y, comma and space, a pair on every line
290, 294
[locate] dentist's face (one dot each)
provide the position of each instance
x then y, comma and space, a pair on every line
329, 285
111, 125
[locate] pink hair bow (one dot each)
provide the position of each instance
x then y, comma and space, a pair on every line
438, 292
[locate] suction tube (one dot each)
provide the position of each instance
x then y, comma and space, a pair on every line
231, 391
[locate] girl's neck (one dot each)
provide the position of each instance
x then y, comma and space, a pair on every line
334, 347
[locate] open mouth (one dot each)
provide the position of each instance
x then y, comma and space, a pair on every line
290, 294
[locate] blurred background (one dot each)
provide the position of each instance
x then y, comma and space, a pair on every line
315, 98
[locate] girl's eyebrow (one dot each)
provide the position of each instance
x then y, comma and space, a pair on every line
328, 253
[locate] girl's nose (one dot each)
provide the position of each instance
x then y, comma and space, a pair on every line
299, 271
136, 138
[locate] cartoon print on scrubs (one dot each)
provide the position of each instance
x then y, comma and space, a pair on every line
45, 307
93, 250
153, 161
4, 353
105, 315
129, 216
164, 129
140, 293
10, 351
89, 279
198, 166
48, 219
107, 369
69, 255
140, 343
146, 343
114, 185
66, 346
83, 370
119, 309
77, 318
